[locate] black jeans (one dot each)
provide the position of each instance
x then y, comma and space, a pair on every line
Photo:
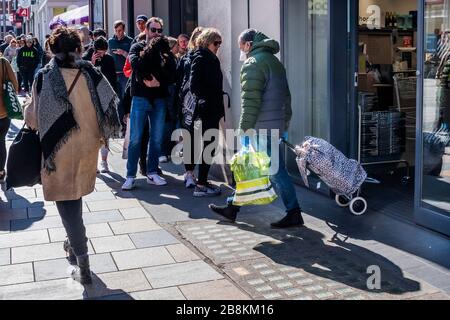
204, 167
4, 127
27, 79
72, 219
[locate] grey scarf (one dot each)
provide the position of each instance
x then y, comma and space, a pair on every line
56, 119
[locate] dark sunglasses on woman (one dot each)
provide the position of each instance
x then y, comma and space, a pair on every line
217, 43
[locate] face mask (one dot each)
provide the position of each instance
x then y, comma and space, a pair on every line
243, 56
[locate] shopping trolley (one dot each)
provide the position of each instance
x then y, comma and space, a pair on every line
355, 202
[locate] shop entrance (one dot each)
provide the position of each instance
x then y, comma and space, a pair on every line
386, 81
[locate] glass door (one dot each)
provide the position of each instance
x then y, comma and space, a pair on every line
433, 136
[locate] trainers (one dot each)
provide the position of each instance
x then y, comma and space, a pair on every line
189, 181
156, 180
208, 191
129, 184
163, 159
104, 167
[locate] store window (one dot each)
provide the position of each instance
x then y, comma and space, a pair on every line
436, 106
183, 16
306, 58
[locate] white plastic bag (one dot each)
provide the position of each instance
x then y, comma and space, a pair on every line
126, 143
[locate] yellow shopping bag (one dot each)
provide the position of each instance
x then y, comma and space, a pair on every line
251, 172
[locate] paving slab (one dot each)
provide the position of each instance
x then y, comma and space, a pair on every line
96, 217
65, 289
92, 231
114, 243
36, 224
40, 252
23, 238
99, 196
112, 204
134, 226
152, 239
15, 274
213, 290
5, 256
61, 268
134, 213
121, 282
13, 214
141, 258
181, 253
180, 273
172, 293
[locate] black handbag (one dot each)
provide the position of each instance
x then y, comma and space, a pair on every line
24, 160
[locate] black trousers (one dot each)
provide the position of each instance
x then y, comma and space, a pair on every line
27, 79
72, 219
4, 127
203, 169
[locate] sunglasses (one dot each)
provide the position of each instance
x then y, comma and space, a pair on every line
155, 30
217, 43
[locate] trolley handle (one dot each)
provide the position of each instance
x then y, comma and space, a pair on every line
289, 145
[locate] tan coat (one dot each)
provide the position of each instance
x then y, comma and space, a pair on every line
76, 161
8, 76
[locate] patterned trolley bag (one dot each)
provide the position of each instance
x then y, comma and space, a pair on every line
251, 172
344, 176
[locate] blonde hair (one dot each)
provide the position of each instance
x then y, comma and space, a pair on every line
207, 37
192, 41
172, 42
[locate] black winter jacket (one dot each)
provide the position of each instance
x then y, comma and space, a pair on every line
28, 59
108, 68
206, 83
164, 72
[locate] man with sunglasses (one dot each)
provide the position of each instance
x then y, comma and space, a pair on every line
148, 104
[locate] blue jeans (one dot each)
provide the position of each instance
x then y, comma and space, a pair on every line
281, 181
141, 111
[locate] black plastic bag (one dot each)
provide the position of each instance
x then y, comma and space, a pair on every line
24, 160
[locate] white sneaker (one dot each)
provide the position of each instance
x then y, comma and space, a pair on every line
189, 181
156, 180
129, 184
163, 159
104, 167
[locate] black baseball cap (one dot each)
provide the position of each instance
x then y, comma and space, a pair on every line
142, 17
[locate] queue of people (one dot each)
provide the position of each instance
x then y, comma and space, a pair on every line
101, 85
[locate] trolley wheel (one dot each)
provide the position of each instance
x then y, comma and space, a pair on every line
358, 206
406, 180
342, 201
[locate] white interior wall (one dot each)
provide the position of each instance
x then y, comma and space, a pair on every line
398, 6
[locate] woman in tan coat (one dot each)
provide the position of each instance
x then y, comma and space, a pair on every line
74, 108
6, 73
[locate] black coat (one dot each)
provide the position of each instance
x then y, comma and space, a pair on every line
108, 69
28, 59
164, 72
206, 82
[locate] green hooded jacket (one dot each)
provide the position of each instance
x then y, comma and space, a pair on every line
265, 95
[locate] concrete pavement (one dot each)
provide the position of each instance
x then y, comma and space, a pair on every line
160, 243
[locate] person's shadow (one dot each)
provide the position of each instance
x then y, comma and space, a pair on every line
300, 248
339, 261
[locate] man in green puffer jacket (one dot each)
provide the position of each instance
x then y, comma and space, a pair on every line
266, 104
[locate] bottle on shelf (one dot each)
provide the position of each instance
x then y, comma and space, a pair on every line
395, 24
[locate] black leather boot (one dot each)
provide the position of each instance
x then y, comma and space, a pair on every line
229, 211
292, 219
70, 254
83, 273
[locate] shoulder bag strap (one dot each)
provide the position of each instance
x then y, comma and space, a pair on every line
74, 82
